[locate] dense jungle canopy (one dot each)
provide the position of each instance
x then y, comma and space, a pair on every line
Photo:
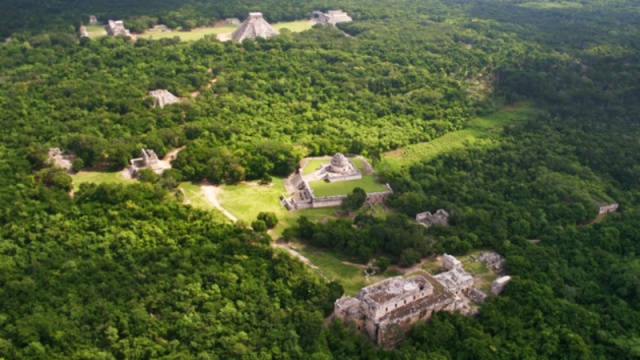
128, 272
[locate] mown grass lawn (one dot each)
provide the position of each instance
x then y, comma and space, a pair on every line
314, 164
193, 35
293, 26
351, 277
246, 201
368, 183
199, 33
481, 130
96, 30
98, 177
193, 196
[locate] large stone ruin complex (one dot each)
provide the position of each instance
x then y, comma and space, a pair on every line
254, 26
163, 97
330, 18
116, 28
427, 219
380, 309
300, 194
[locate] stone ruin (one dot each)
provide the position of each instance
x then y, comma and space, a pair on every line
300, 195
93, 20
83, 31
427, 219
499, 284
116, 28
379, 309
609, 208
455, 280
254, 26
339, 169
494, 261
330, 18
57, 158
232, 21
163, 97
449, 262
148, 160
477, 296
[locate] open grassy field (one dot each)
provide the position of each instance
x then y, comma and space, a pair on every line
293, 26
314, 164
543, 5
199, 33
351, 277
193, 35
246, 201
481, 130
98, 177
96, 30
368, 183
193, 196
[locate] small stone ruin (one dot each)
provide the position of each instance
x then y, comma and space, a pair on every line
163, 98
494, 261
232, 21
499, 284
83, 31
116, 28
450, 262
93, 20
148, 160
57, 158
427, 219
609, 208
330, 18
477, 296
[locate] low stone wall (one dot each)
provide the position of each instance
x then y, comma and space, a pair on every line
344, 178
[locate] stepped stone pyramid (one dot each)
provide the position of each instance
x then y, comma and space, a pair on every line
254, 26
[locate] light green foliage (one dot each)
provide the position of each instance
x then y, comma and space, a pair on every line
480, 131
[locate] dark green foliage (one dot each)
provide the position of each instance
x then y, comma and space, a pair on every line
399, 237
354, 200
119, 266
126, 272
259, 226
269, 218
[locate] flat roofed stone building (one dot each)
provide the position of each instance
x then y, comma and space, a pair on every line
254, 26
427, 219
116, 28
455, 280
332, 17
379, 308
